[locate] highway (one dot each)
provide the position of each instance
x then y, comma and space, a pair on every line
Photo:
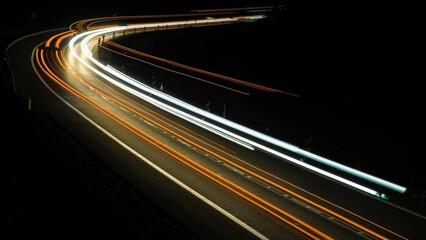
219, 178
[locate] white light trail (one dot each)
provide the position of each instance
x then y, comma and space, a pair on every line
211, 127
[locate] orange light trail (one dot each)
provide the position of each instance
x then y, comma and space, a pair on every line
245, 194
253, 199
231, 79
176, 72
131, 109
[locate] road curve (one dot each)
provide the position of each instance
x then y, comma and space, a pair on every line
218, 183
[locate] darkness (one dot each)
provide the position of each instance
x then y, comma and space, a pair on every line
362, 56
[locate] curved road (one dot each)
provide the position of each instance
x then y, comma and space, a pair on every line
217, 184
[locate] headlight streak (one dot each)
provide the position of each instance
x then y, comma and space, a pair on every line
53, 77
80, 24
200, 122
267, 139
231, 124
249, 171
219, 130
161, 105
280, 143
68, 88
274, 211
156, 118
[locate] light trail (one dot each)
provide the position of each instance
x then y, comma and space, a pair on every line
298, 151
251, 198
243, 193
232, 9
44, 67
91, 23
177, 72
239, 139
243, 168
206, 125
231, 79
